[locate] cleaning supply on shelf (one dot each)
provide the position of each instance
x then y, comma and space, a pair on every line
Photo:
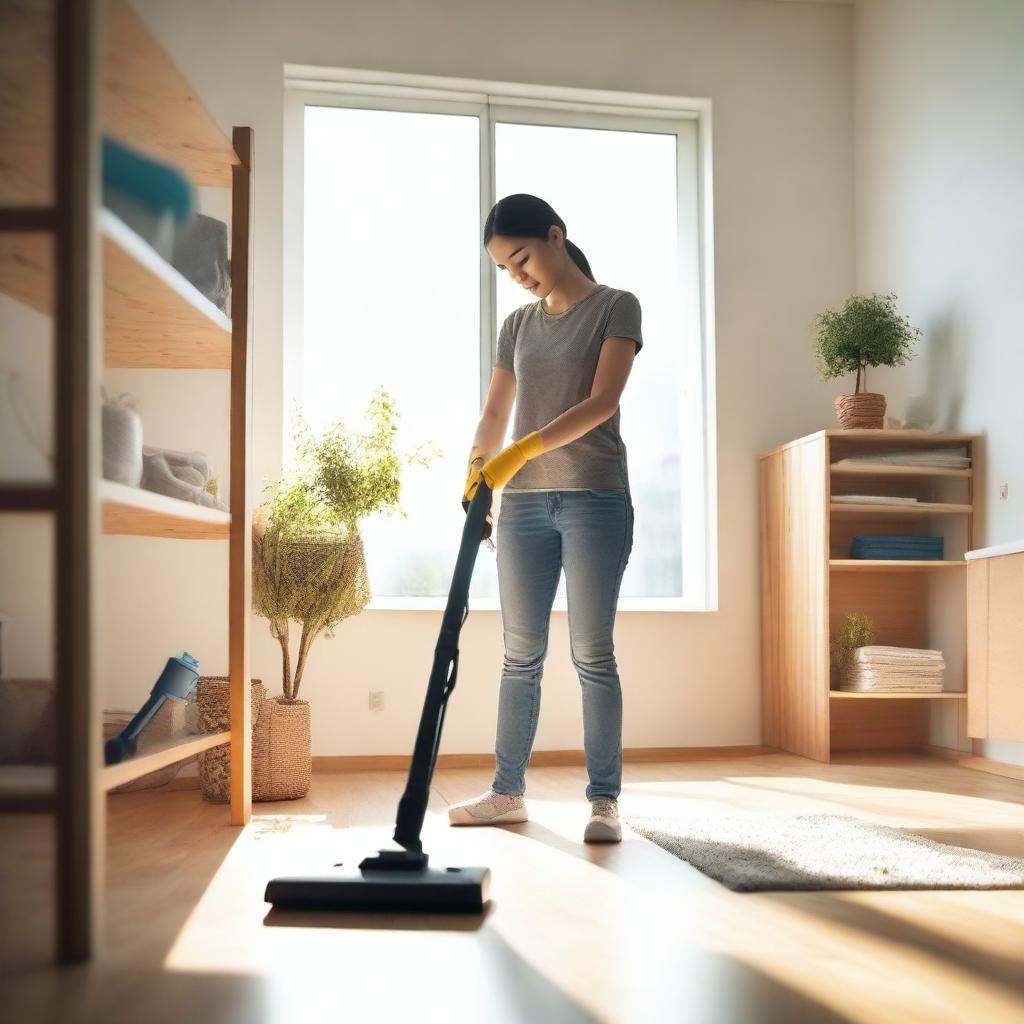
188, 476
882, 669
152, 197
201, 256
901, 547
176, 682
122, 440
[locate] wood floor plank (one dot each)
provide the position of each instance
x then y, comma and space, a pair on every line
575, 932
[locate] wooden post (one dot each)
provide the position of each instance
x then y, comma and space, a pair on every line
240, 557
80, 802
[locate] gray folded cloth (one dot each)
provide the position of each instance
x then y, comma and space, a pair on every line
184, 475
201, 256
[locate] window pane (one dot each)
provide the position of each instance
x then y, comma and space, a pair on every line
392, 251
616, 192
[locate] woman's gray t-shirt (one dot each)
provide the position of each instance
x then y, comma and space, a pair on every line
554, 359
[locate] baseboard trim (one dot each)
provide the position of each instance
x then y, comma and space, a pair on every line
984, 764
946, 753
541, 758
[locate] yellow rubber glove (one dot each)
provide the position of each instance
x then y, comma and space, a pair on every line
499, 470
477, 457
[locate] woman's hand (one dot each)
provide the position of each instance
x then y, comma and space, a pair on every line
477, 458
500, 469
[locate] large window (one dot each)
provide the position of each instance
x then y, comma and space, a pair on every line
389, 286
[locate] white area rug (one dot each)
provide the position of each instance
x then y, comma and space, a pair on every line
752, 852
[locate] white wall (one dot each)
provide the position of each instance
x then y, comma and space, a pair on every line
779, 77
939, 184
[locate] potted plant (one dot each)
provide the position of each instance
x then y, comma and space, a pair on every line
309, 568
857, 632
867, 331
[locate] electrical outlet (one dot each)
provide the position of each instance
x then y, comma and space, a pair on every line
1004, 491
376, 700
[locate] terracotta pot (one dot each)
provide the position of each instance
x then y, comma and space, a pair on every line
862, 411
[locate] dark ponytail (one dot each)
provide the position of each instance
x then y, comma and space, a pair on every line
524, 216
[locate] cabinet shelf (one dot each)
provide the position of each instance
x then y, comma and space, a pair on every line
16, 497
844, 695
888, 469
857, 510
153, 316
891, 565
27, 788
159, 757
141, 513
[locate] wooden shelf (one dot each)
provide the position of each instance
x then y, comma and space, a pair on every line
947, 695
886, 469
153, 316
15, 497
855, 510
159, 757
890, 565
141, 513
27, 788
145, 102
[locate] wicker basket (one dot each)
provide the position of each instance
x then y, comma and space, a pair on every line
282, 765
215, 716
862, 411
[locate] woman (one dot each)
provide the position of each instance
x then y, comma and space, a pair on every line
564, 358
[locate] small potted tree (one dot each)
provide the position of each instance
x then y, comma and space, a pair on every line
309, 568
867, 331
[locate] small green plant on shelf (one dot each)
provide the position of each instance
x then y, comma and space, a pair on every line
867, 331
858, 632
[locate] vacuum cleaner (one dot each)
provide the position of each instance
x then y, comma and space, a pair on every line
176, 682
403, 880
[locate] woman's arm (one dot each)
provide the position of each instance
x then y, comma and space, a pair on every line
493, 425
613, 367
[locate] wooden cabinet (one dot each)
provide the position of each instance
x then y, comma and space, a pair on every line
809, 583
995, 642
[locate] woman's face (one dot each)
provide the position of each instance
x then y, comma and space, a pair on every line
531, 263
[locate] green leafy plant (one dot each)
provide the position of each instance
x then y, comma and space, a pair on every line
867, 331
858, 632
308, 562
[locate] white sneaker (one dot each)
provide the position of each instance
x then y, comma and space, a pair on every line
490, 809
604, 825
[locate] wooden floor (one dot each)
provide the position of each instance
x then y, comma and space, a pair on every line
575, 932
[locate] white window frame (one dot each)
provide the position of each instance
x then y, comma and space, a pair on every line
516, 102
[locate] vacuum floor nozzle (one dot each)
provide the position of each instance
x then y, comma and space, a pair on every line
441, 890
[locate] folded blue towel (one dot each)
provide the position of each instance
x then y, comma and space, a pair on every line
897, 546
158, 186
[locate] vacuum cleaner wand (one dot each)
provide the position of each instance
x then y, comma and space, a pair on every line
412, 807
401, 879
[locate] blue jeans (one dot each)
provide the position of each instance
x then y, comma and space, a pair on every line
590, 533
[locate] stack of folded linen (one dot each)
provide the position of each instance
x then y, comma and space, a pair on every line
940, 458
903, 547
875, 669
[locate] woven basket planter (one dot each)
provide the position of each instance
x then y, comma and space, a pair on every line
282, 763
215, 716
863, 411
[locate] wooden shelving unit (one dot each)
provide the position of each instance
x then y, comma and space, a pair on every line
86, 68
191, 333
809, 584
